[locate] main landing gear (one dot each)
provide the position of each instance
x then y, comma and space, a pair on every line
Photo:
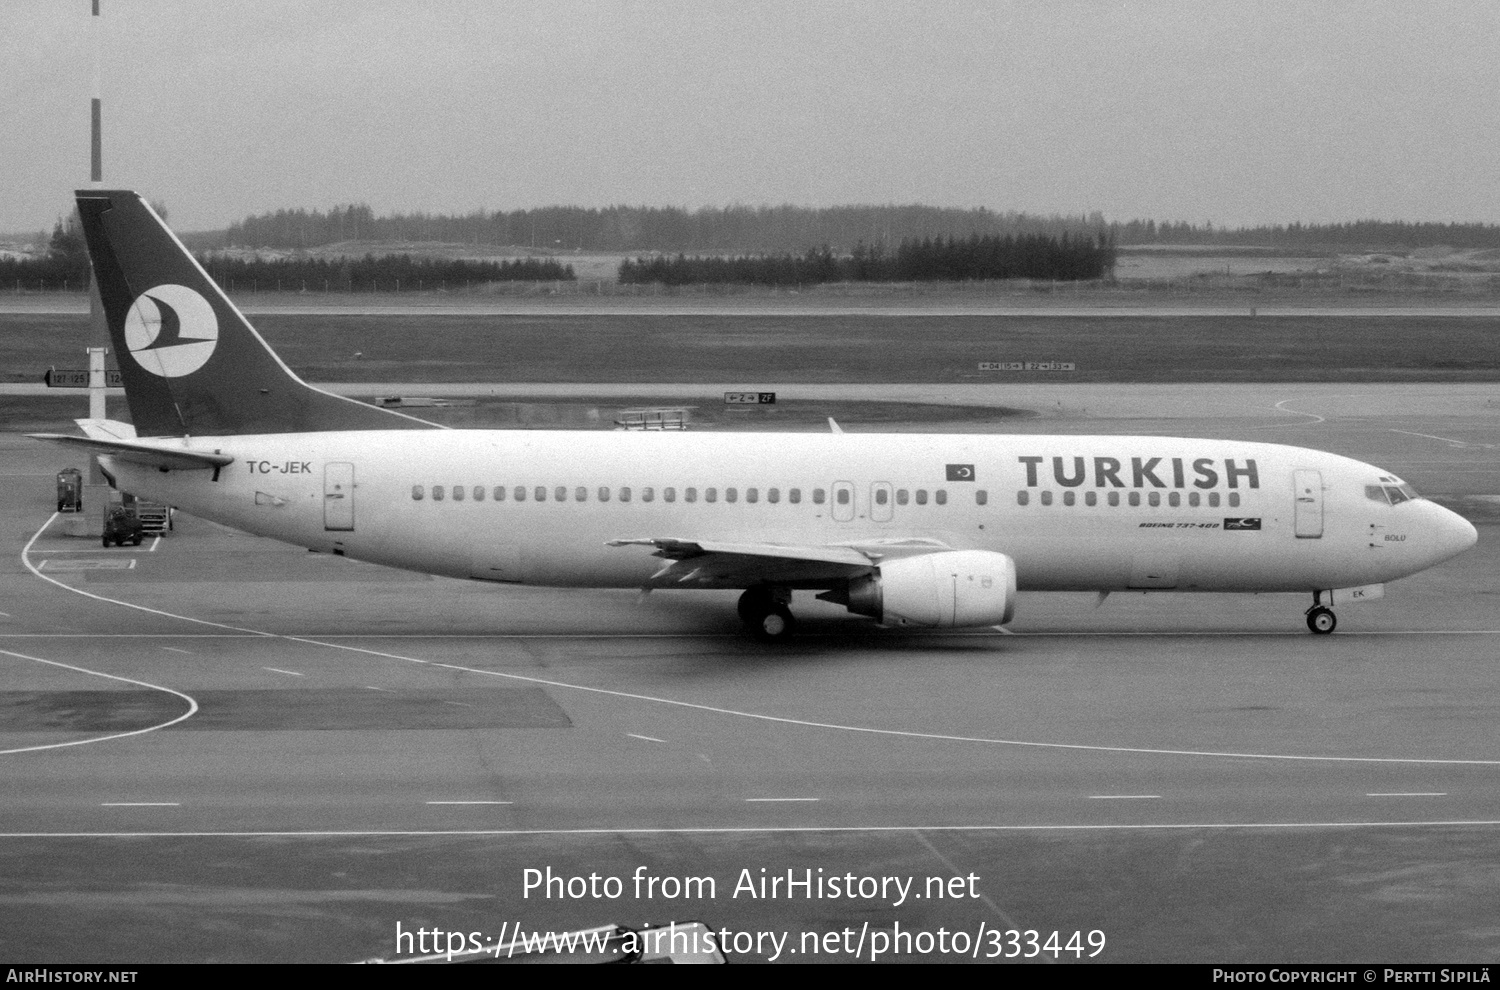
1321, 620
764, 612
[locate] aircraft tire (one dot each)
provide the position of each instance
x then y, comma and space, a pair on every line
774, 624
1321, 620
752, 603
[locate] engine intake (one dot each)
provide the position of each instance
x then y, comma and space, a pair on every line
949, 589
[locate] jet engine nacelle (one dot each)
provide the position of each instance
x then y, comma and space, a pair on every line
952, 588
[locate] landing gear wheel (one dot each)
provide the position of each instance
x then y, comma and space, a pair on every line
774, 625
754, 602
1321, 620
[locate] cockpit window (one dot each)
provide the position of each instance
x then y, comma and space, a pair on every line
1391, 494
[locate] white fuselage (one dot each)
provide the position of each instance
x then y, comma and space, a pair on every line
1073, 512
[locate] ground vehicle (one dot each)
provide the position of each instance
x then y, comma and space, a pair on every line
70, 490
121, 525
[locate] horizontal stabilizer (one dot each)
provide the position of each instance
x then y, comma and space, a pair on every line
138, 452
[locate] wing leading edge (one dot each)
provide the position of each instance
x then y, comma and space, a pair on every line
728, 564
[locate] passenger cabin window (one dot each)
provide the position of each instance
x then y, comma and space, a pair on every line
603, 494
437, 493
520, 493
1234, 500
882, 496
1174, 499
499, 493
1135, 498
1090, 498
541, 493
1068, 497
648, 494
921, 496
1047, 498
710, 494
1022, 497
794, 496
752, 494
941, 495
416, 492
479, 493
731, 494
458, 493
1114, 498
981, 497
690, 495
842, 496
560, 493
1213, 500
1154, 498
901, 496
669, 494
624, 494
773, 495
818, 496
1193, 499
580, 494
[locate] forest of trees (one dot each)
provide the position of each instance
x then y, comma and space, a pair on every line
1034, 256
795, 229
1360, 235
750, 229
64, 266
386, 272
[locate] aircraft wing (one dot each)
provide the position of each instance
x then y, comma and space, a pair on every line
142, 452
727, 564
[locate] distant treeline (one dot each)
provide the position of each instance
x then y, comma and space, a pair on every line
1361, 235
387, 272
796, 229
760, 229
1032, 256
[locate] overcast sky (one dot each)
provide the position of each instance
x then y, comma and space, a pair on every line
1236, 112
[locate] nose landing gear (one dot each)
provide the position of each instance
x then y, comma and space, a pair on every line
1321, 620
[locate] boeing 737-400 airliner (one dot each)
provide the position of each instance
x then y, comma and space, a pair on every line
911, 530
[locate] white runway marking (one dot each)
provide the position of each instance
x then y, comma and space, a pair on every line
1410, 794
1448, 440
740, 830
140, 804
468, 802
371, 687
780, 720
192, 707
646, 738
1124, 797
154, 544
278, 670
174, 649
776, 800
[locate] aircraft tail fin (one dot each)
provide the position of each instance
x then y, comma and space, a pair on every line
190, 361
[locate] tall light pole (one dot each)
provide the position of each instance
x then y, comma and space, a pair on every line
96, 495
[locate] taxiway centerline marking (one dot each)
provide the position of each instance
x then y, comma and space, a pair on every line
468, 802
192, 706
1429, 436
174, 649
647, 738
1410, 794
278, 670
773, 800
1124, 797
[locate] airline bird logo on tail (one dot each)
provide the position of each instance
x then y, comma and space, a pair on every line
171, 331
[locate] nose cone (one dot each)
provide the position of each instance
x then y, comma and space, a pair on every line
1453, 534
